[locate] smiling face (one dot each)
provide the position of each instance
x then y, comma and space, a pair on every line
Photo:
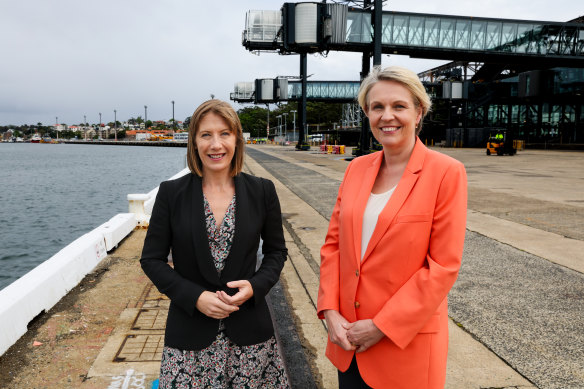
393, 116
215, 142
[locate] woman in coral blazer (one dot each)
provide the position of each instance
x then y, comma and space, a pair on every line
393, 248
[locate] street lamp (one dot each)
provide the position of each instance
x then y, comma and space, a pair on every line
115, 125
279, 117
294, 124
99, 128
145, 116
57, 126
173, 125
268, 125
85, 126
285, 124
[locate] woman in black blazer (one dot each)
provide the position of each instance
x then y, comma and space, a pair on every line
219, 332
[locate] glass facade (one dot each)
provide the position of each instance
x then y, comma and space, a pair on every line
324, 90
451, 32
359, 27
548, 107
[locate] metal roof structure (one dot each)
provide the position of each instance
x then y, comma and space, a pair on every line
474, 39
503, 71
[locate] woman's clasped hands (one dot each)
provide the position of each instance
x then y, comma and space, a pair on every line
358, 336
219, 305
363, 334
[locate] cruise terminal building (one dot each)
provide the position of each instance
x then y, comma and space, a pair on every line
526, 77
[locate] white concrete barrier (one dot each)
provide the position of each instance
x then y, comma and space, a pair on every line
45, 285
117, 228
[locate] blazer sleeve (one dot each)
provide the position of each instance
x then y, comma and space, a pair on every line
408, 310
328, 289
274, 245
154, 260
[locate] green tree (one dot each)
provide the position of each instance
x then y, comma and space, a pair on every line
253, 120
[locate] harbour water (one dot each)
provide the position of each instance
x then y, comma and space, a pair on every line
50, 194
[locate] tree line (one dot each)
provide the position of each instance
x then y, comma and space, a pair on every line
254, 119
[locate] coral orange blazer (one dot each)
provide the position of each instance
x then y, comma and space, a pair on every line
410, 264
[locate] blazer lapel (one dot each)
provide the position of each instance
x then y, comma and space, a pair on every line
399, 196
361, 202
199, 231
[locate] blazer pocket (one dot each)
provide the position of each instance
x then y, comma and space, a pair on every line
432, 326
413, 218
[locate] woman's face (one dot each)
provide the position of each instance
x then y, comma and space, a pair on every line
215, 143
392, 115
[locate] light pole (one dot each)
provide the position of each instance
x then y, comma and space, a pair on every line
294, 124
85, 126
268, 125
173, 126
285, 125
279, 125
145, 116
57, 126
115, 125
99, 128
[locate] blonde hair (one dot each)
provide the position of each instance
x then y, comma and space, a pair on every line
405, 77
227, 113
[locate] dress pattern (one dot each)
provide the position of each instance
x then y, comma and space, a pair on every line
223, 364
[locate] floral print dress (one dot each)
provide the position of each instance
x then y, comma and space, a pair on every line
223, 364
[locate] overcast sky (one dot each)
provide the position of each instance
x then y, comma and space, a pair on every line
70, 58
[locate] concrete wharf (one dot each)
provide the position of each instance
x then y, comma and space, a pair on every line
516, 310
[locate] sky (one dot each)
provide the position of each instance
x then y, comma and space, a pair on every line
70, 59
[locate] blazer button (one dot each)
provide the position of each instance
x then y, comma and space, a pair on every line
356, 273
357, 305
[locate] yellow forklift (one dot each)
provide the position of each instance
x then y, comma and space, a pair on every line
501, 142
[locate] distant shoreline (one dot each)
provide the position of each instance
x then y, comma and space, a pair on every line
128, 143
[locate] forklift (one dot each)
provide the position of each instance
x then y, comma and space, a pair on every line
501, 142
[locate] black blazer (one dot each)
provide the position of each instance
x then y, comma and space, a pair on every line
178, 223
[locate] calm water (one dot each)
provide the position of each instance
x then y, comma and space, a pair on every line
51, 194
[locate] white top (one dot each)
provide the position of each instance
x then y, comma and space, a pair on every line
375, 205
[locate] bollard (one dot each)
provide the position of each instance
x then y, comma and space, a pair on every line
136, 206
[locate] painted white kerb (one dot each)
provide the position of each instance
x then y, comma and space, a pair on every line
42, 287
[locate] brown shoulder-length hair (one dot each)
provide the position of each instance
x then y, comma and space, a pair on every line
227, 113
